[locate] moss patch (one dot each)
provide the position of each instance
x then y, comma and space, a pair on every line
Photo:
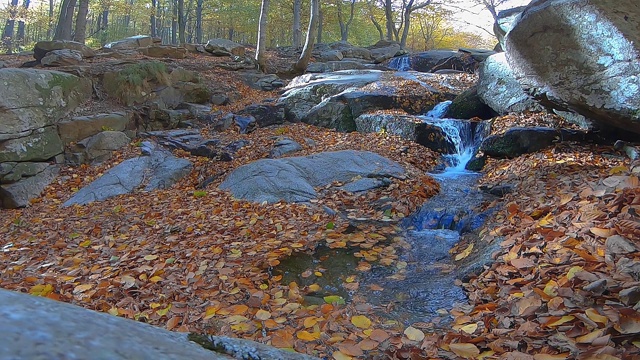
135, 81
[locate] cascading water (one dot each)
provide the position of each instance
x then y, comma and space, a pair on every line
464, 134
400, 63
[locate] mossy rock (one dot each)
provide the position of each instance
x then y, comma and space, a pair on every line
134, 83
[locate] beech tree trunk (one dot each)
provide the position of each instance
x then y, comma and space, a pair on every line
262, 36
199, 4
301, 65
181, 22
81, 22
65, 20
297, 31
21, 25
7, 34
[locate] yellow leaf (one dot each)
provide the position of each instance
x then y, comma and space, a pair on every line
588, 338
350, 279
470, 328
551, 288
485, 354
565, 198
41, 290
82, 288
334, 299
561, 321
465, 350
413, 334
210, 312
595, 316
314, 287
128, 281
361, 321
466, 252
155, 279
151, 257
307, 336
550, 357
85, 243
337, 355
573, 271
618, 169
113, 311
163, 312
602, 232
263, 315
311, 321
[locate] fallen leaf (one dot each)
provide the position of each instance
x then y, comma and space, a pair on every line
414, 334
361, 321
464, 350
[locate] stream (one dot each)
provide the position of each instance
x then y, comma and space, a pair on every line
420, 287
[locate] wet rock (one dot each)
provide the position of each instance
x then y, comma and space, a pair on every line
411, 128
283, 147
476, 163
384, 50
616, 245
519, 140
497, 190
330, 66
583, 55
11, 172
293, 179
469, 105
19, 193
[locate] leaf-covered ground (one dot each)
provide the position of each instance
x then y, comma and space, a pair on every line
564, 284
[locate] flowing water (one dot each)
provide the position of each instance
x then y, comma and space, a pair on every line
400, 63
423, 288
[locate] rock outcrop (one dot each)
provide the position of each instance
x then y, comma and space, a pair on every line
581, 55
32, 102
35, 327
293, 179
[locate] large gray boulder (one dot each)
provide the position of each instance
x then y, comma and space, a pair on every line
222, 47
64, 57
42, 48
582, 55
80, 127
96, 148
499, 88
504, 23
161, 170
40, 145
293, 179
18, 194
34, 327
334, 100
31, 99
133, 43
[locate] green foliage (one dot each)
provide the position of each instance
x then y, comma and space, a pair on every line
330, 225
199, 193
134, 81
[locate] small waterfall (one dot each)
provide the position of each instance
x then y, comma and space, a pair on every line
400, 63
464, 134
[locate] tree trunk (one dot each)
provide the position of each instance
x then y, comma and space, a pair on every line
174, 23
262, 36
50, 28
320, 21
65, 20
7, 34
154, 25
81, 22
21, 25
104, 27
344, 25
388, 14
199, 4
181, 22
297, 31
301, 65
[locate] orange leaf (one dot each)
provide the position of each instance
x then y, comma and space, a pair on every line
173, 322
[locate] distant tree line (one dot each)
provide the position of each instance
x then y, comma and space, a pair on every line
416, 24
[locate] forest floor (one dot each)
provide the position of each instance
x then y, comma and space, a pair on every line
563, 285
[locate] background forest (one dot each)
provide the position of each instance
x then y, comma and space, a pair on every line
361, 22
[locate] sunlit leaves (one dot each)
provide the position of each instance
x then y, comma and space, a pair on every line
361, 321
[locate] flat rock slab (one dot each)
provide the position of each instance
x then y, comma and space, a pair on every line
293, 179
39, 328
161, 168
